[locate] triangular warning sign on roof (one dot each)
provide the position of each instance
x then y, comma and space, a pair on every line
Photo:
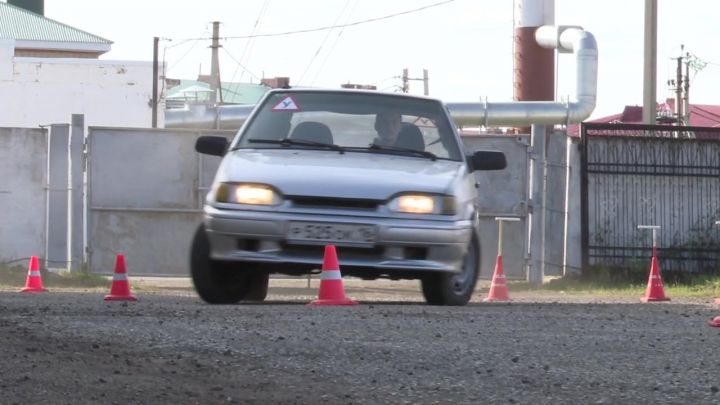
286, 104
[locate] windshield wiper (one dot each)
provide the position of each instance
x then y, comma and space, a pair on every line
299, 142
391, 149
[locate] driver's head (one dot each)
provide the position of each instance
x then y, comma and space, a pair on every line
387, 125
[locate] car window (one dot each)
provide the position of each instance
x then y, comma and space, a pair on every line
349, 120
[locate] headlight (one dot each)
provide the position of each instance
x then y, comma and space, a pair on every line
423, 204
240, 193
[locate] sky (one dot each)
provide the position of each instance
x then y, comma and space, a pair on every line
466, 45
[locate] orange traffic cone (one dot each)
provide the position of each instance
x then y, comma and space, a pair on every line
33, 283
120, 288
655, 290
498, 287
715, 322
332, 291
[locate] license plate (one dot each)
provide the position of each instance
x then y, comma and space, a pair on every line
331, 233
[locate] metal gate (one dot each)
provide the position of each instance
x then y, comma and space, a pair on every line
650, 175
145, 193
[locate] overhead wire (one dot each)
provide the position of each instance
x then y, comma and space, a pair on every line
317, 52
354, 23
248, 48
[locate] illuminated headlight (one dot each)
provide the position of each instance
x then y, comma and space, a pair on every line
423, 204
253, 194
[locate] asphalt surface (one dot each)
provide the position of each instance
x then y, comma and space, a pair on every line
170, 348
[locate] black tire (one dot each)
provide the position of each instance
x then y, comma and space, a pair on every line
454, 288
215, 282
258, 283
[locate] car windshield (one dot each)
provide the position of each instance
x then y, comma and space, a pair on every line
373, 123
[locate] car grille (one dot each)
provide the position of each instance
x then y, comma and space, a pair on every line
334, 203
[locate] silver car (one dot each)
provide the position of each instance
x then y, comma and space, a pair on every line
383, 177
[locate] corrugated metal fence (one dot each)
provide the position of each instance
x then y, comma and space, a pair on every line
651, 175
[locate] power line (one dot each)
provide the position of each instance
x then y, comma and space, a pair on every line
332, 47
240, 64
369, 20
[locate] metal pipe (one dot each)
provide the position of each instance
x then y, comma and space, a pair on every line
564, 39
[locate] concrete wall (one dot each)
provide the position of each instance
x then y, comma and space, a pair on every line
23, 176
146, 189
41, 91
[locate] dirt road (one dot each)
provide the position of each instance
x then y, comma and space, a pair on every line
170, 348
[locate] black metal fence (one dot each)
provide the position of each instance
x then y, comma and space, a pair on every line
650, 175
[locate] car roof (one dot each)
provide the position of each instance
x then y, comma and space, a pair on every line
352, 91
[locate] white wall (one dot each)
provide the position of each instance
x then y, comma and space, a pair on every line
41, 91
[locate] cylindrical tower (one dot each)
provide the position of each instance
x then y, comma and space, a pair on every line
534, 76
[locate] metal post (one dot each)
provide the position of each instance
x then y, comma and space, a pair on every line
500, 221
405, 84
535, 237
654, 236
156, 41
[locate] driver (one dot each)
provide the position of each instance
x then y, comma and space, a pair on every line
387, 125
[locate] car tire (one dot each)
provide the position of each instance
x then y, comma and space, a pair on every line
215, 282
454, 289
258, 286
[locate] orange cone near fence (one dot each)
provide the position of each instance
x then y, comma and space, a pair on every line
655, 290
120, 288
331, 291
498, 286
715, 322
33, 283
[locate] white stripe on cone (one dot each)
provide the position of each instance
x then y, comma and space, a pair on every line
120, 277
331, 275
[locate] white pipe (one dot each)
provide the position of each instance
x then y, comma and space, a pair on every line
564, 39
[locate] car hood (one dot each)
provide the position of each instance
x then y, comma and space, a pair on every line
331, 174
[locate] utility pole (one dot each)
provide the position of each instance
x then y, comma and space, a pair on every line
156, 41
650, 63
426, 90
215, 65
406, 81
678, 91
686, 88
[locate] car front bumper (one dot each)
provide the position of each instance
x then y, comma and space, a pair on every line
399, 245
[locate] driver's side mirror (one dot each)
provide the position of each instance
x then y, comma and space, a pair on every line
212, 145
486, 160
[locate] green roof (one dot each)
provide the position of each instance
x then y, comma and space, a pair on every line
233, 93
23, 25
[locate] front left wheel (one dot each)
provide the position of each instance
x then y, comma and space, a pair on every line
454, 288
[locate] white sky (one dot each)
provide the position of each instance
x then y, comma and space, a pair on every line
466, 45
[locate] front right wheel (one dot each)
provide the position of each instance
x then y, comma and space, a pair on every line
215, 282
454, 288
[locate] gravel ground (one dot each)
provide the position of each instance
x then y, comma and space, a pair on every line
170, 348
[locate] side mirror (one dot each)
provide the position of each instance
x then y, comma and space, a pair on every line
212, 145
487, 160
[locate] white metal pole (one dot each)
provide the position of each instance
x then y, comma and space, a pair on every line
654, 236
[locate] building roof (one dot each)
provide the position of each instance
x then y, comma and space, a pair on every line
34, 31
701, 115
233, 93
